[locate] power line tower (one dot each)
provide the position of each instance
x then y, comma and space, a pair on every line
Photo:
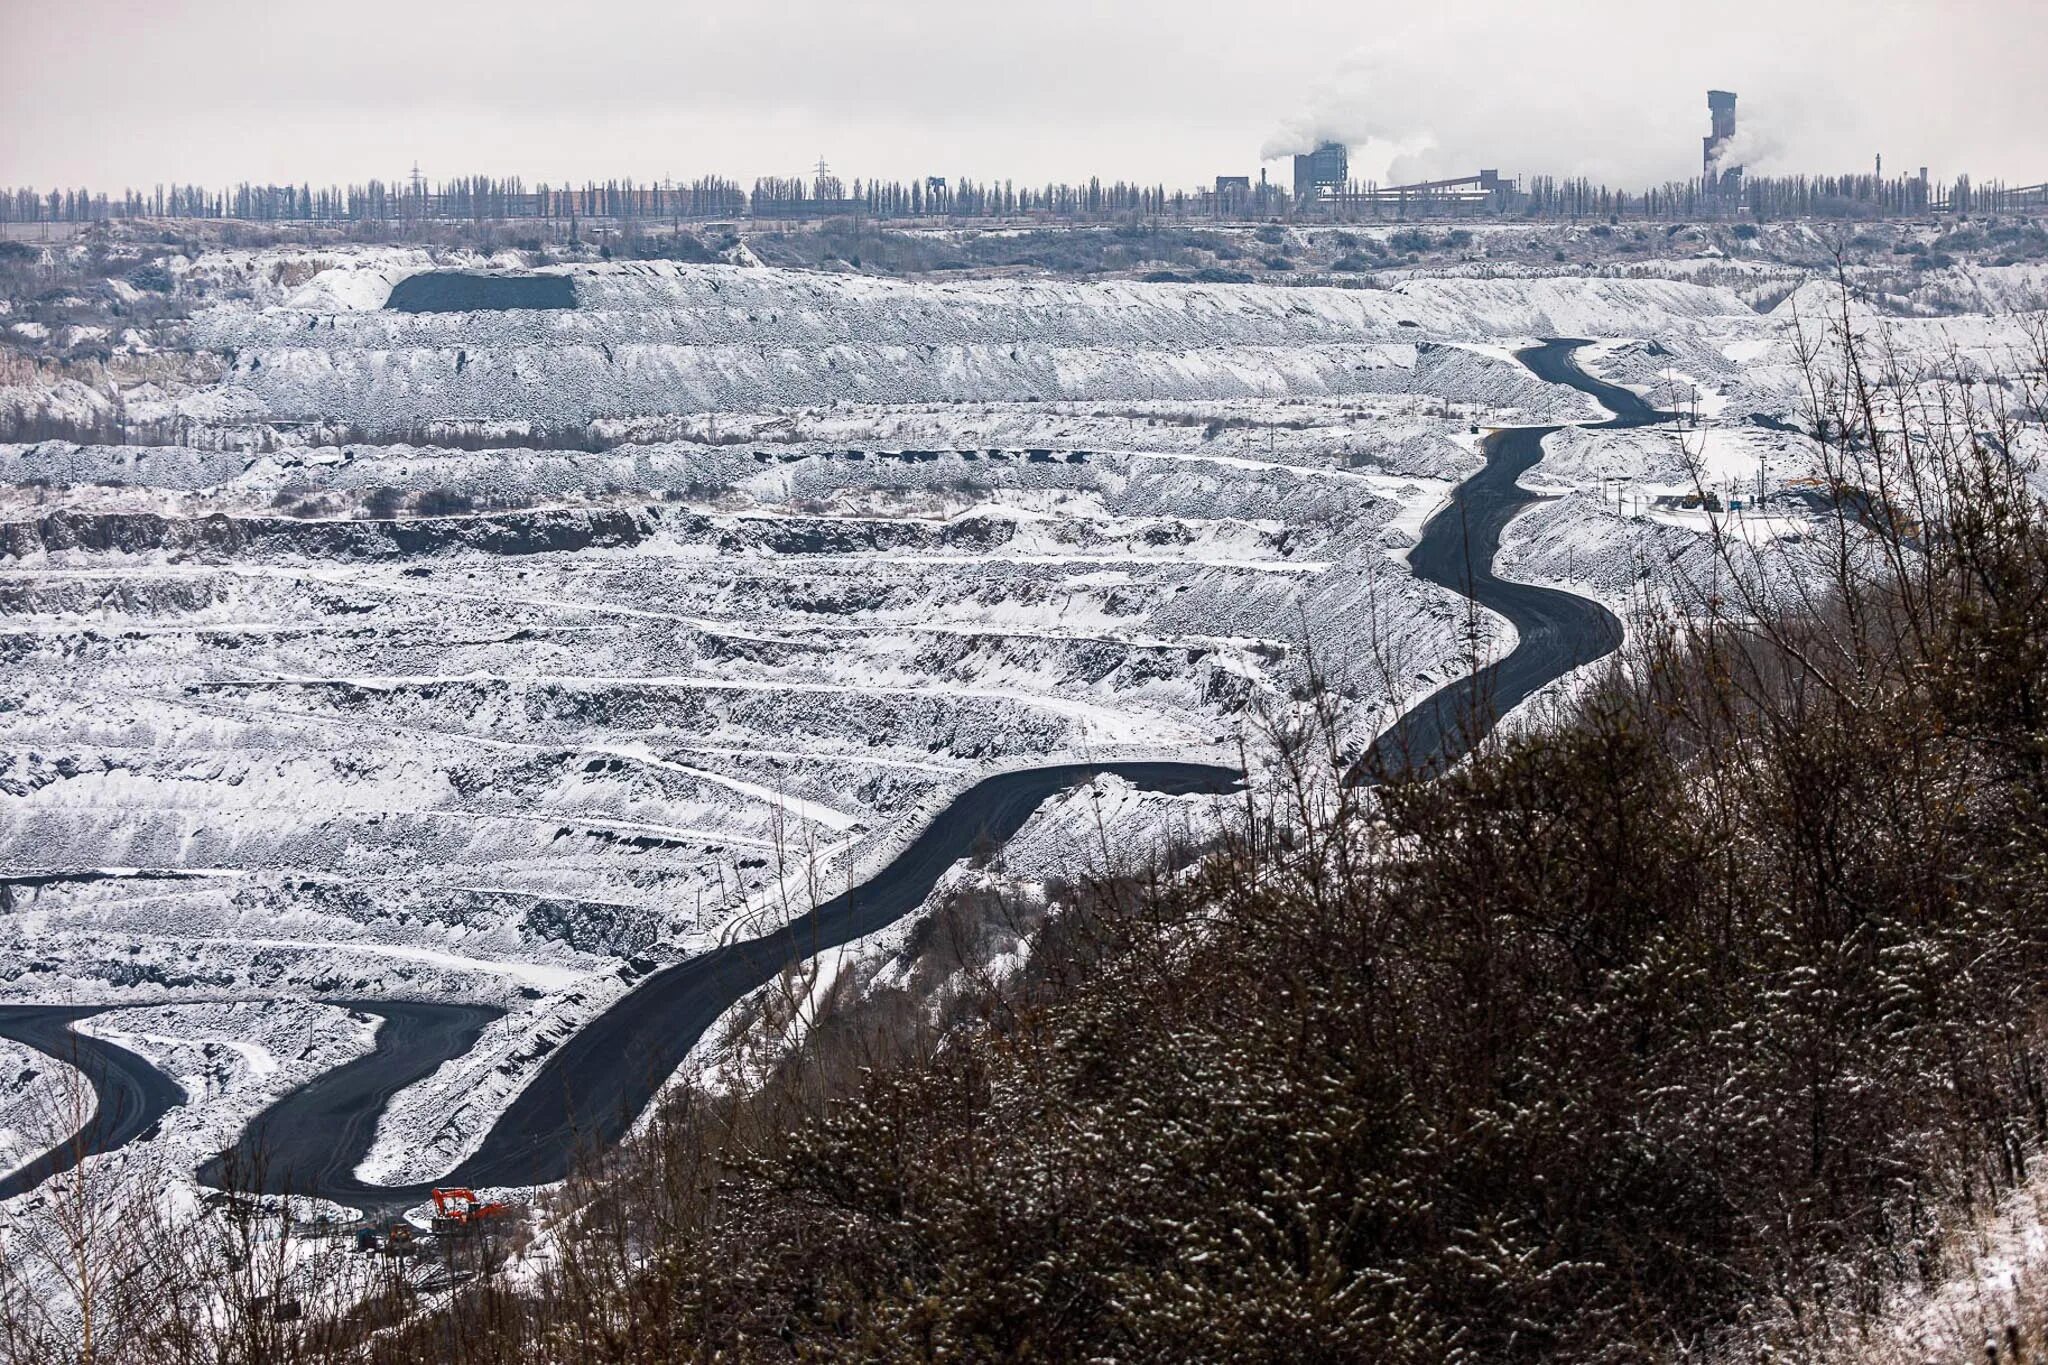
416, 209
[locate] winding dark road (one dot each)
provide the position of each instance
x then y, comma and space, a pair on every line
130, 1097
312, 1140
590, 1090
1557, 631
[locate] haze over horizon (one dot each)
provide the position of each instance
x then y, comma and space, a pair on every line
113, 93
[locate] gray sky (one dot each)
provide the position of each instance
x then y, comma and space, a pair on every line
109, 93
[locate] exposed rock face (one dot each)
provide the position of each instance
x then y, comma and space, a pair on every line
222, 535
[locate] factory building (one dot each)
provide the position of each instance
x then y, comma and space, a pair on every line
1484, 188
1322, 173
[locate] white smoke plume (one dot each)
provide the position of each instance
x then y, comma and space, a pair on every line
1752, 148
1350, 106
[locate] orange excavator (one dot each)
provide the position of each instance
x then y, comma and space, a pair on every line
458, 1211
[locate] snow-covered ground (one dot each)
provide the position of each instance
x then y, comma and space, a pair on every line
37, 1093
497, 657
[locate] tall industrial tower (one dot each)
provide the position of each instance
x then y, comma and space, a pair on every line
1322, 173
1721, 104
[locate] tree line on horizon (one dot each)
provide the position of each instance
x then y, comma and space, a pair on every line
481, 198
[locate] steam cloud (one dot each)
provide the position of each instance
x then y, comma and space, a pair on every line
1349, 107
1751, 148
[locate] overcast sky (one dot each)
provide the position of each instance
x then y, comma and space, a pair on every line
107, 93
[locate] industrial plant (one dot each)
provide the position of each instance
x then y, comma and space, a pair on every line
1323, 187
1322, 173
1322, 180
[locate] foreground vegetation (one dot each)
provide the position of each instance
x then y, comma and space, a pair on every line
1696, 1022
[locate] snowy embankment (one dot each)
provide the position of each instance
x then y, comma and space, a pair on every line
655, 337
37, 1095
